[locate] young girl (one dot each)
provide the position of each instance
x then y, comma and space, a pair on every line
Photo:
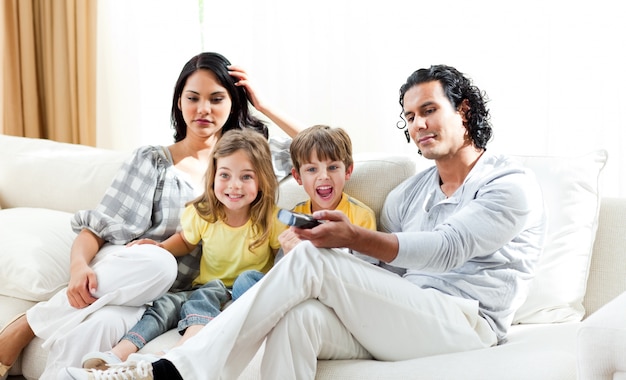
234, 221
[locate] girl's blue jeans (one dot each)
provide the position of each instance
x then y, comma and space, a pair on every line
181, 309
245, 281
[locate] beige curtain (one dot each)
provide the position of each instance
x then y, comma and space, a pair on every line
49, 69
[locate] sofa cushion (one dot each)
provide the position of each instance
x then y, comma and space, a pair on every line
533, 352
54, 175
601, 342
571, 194
35, 259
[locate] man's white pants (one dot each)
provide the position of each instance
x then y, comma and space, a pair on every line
320, 303
128, 279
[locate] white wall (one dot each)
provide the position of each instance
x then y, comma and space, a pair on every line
142, 46
554, 70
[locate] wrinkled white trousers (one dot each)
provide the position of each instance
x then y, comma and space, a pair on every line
128, 279
327, 304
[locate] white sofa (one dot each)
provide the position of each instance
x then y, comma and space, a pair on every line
43, 182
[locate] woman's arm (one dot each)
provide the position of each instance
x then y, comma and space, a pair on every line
288, 125
83, 281
126, 212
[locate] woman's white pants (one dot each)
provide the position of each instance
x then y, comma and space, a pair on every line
128, 279
327, 304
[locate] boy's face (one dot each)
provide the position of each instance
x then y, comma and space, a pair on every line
323, 181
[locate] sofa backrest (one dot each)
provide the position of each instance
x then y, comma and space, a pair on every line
607, 275
48, 174
70, 177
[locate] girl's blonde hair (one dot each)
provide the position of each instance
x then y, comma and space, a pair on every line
257, 149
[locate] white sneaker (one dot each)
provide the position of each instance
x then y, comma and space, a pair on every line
99, 360
123, 371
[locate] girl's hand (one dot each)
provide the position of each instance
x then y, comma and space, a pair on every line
144, 241
83, 283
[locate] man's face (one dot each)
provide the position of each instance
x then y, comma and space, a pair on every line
434, 125
323, 181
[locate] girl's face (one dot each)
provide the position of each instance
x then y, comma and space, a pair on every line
323, 181
236, 184
205, 104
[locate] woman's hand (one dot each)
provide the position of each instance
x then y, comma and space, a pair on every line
289, 126
244, 81
83, 283
83, 280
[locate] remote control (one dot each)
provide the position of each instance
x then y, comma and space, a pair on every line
297, 219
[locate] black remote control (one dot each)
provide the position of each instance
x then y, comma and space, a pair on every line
297, 219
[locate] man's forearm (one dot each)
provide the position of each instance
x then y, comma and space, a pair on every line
380, 245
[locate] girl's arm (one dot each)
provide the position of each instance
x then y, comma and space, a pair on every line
175, 244
288, 125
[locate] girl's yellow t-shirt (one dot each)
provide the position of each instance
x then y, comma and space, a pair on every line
225, 252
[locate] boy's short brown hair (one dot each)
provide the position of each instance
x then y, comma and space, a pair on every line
328, 143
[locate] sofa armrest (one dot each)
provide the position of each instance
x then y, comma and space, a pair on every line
601, 343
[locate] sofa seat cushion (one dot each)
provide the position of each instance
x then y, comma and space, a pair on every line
601, 342
534, 351
537, 351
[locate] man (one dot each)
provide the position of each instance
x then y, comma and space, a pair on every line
469, 231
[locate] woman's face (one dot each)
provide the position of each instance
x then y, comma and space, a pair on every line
205, 104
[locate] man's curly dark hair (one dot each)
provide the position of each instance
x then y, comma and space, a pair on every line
457, 89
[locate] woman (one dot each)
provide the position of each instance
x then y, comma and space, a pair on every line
110, 283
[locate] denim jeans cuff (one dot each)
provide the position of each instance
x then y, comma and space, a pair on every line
193, 320
135, 339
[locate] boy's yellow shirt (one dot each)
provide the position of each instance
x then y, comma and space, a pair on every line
358, 212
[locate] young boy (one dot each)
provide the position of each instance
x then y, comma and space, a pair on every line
322, 164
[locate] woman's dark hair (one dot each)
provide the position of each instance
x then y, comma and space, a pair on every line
457, 89
240, 116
